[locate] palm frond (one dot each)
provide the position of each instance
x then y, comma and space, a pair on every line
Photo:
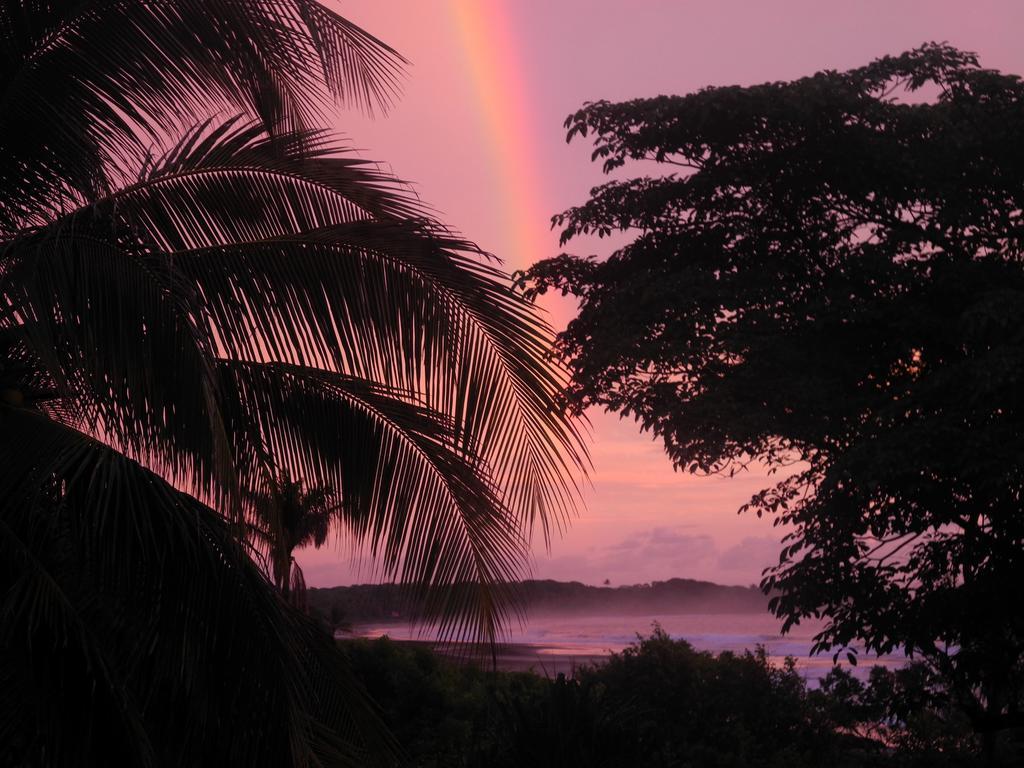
365, 283
136, 630
191, 305
235, 248
428, 517
117, 338
86, 87
311, 257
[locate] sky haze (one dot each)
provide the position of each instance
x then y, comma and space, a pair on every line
479, 133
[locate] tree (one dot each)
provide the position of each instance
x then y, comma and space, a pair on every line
292, 516
904, 709
829, 282
201, 289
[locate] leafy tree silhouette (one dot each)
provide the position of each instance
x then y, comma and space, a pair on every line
829, 282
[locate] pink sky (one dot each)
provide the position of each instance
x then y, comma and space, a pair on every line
479, 132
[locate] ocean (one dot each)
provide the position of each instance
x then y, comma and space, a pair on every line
557, 641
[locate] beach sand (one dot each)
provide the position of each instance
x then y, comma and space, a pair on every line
547, 661
543, 660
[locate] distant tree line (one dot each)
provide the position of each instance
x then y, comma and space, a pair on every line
382, 602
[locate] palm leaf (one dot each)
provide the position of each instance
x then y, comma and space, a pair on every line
119, 339
190, 303
428, 517
84, 87
135, 623
335, 274
360, 287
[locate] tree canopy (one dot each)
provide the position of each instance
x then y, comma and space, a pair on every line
829, 281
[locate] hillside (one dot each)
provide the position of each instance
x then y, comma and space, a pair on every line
382, 602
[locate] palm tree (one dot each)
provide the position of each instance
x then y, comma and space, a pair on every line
200, 288
293, 515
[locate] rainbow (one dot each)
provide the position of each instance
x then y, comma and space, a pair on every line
486, 36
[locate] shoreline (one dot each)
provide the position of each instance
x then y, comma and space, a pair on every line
550, 659
541, 659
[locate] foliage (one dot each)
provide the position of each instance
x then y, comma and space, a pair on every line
440, 712
201, 290
907, 708
291, 516
830, 283
733, 709
137, 631
659, 703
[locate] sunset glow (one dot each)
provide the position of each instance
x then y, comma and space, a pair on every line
512, 383
478, 130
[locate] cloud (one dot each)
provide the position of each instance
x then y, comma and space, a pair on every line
753, 552
633, 542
